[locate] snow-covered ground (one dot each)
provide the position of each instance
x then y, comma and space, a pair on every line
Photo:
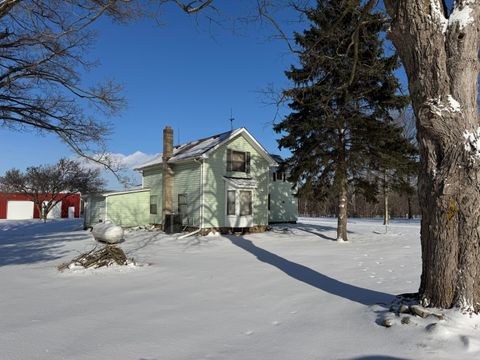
292, 293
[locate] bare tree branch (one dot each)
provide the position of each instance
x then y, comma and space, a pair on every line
194, 6
47, 185
42, 56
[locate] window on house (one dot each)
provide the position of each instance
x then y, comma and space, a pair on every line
182, 204
238, 161
245, 203
230, 202
269, 201
279, 176
153, 204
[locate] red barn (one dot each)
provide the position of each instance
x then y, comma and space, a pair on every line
16, 206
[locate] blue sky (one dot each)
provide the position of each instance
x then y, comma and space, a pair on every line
180, 74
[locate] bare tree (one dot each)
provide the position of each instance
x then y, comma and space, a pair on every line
42, 53
48, 185
439, 50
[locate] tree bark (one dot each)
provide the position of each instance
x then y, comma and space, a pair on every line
342, 211
440, 55
410, 210
342, 186
386, 216
39, 207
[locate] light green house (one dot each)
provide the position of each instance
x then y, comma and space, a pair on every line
221, 182
126, 208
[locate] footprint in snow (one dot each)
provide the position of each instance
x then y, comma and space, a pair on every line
248, 332
276, 323
294, 312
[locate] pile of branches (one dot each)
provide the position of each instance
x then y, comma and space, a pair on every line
107, 256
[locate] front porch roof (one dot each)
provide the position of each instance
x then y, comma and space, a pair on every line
241, 183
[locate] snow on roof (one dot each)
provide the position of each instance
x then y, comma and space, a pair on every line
192, 149
277, 158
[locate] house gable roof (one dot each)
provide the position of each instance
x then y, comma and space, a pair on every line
277, 158
203, 147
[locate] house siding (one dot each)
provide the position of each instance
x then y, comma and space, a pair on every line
152, 179
214, 184
129, 209
187, 181
94, 211
283, 203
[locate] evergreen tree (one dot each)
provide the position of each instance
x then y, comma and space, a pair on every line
341, 129
395, 168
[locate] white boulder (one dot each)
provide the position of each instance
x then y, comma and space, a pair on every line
106, 232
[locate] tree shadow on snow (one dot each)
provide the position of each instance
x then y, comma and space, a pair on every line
37, 242
378, 357
314, 278
315, 229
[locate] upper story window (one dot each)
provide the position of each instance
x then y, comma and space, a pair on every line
238, 161
279, 176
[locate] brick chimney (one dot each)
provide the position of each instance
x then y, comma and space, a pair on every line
167, 183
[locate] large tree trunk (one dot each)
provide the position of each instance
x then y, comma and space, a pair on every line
440, 56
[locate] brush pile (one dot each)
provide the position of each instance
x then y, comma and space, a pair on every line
106, 256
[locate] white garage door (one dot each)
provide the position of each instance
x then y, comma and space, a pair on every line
19, 210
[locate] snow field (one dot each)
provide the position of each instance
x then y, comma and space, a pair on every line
291, 293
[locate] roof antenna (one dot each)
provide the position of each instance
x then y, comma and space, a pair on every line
231, 119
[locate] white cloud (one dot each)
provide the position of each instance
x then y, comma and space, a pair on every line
126, 162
